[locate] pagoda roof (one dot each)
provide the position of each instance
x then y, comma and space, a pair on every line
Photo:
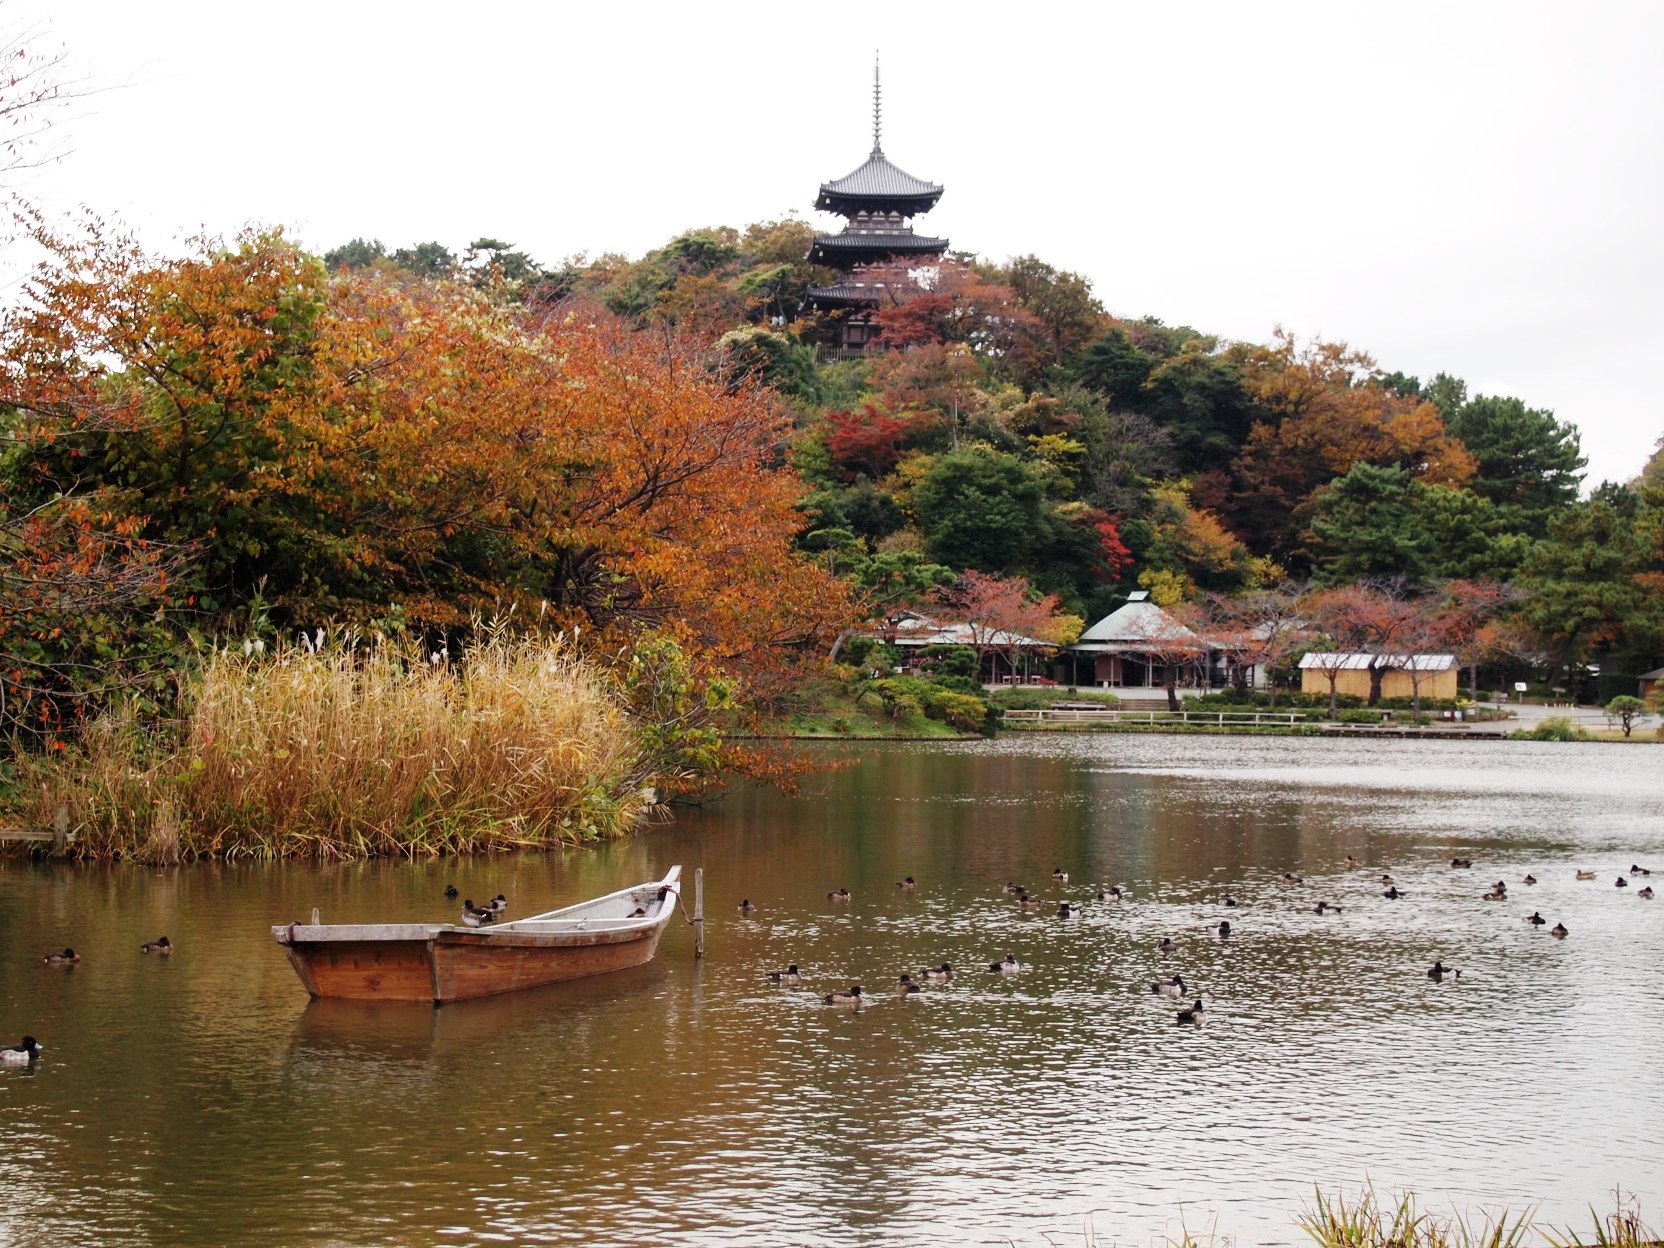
852, 247
878, 184
847, 293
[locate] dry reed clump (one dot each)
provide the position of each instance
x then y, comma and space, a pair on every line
1368, 1222
344, 753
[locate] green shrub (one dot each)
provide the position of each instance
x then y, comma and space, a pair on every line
1554, 728
1358, 715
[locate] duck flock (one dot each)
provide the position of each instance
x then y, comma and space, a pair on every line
1172, 986
25, 1053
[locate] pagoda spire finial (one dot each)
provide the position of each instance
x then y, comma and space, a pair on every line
877, 109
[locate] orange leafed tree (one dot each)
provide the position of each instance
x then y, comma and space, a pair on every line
361, 445
1004, 615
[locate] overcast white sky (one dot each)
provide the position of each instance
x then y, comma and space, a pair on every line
1476, 188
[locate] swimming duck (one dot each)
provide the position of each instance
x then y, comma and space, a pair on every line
1290, 878
1170, 985
1224, 928
746, 906
1351, 862
1323, 907
1191, 1013
1439, 970
1392, 893
1461, 862
1645, 893
791, 975
498, 906
1387, 879
1585, 875
937, 974
1227, 900
1067, 911
1558, 931
1622, 883
1166, 945
852, 997
475, 916
1535, 919
1637, 870
1494, 895
1529, 879
1111, 894
1059, 876
905, 985
838, 894
1024, 901
68, 955
162, 946
1011, 888
21, 1054
1007, 965
907, 885
450, 890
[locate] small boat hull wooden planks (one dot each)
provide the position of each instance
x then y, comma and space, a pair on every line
442, 962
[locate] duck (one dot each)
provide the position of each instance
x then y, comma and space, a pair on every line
498, 906
1634, 869
1461, 863
1585, 875
905, 985
1290, 878
1167, 945
1323, 907
1059, 876
1067, 911
1644, 893
450, 890
1439, 970
1622, 883
1494, 895
1007, 965
850, 997
1169, 985
907, 885
937, 974
22, 1053
1224, 928
1111, 894
1392, 893
1025, 902
68, 955
1388, 880
747, 906
161, 945
1192, 1013
475, 916
791, 975
1558, 931
1529, 879
838, 894
1351, 862
1228, 901
1011, 888
1535, 919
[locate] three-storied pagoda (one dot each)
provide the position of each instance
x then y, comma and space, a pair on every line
878, 202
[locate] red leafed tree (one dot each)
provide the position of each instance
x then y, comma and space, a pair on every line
1466, 620
865, 441
1004, 615
1115, 553
1263, 628
1375, 620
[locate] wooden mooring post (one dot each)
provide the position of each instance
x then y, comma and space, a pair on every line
699, 912
60, 835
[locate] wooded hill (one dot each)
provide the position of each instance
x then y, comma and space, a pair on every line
250, 440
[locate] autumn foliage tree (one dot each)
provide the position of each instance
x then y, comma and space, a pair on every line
1005, 615
371, 449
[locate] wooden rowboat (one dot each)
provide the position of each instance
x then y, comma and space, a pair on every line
443, 962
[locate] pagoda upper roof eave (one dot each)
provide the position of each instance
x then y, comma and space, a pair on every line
878, 183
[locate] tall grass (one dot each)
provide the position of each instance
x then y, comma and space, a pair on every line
357, 752
1366, 1221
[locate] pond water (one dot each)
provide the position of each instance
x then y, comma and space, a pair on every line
200, 1099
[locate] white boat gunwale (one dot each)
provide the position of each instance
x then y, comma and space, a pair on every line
551, 927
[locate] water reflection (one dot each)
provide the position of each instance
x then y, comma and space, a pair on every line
200, 1099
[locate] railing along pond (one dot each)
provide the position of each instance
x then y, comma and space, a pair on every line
1111, 715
